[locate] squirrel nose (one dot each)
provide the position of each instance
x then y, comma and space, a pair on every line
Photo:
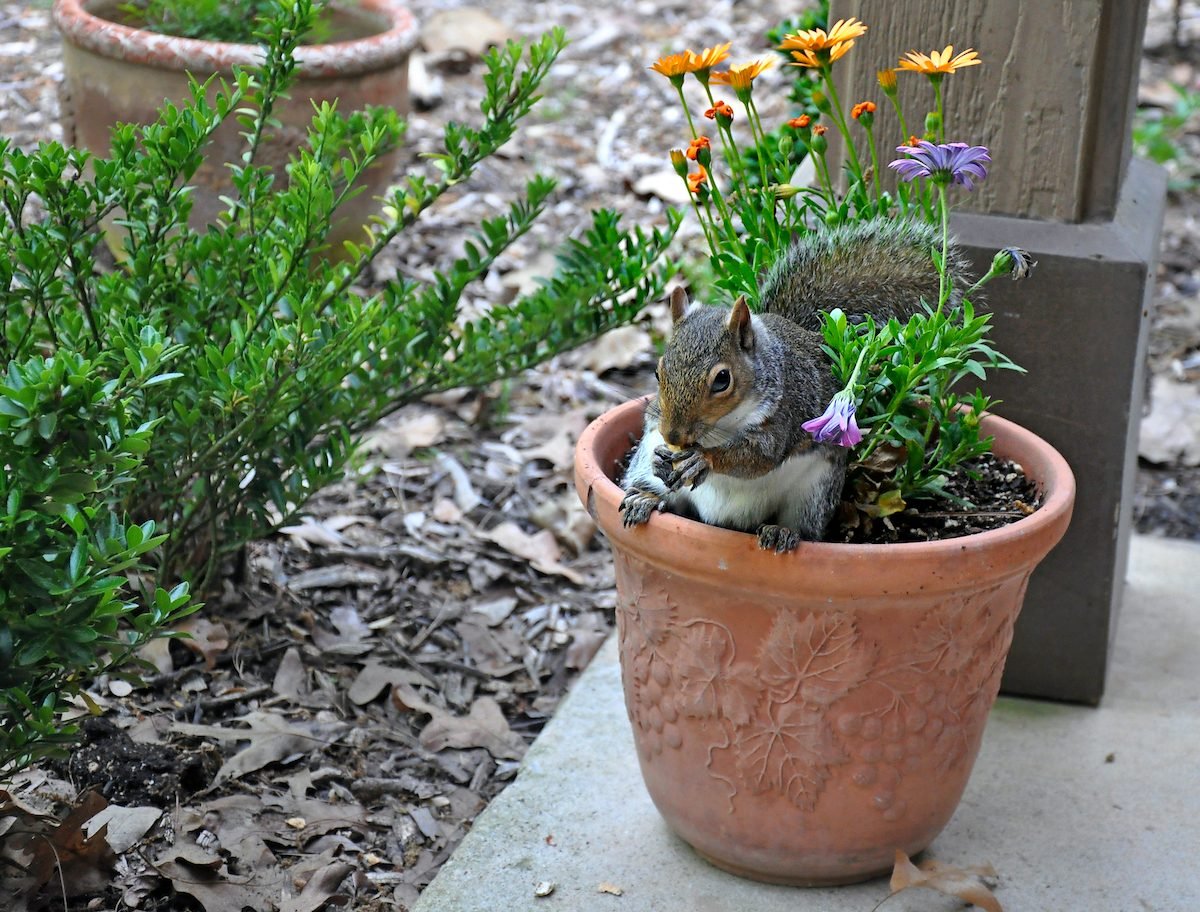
674, 437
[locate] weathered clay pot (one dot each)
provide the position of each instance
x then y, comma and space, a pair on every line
800, 717
114, 73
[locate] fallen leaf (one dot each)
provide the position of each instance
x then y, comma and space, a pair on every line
272, 738
465, 497
611, 889
210, 883
314, 532
412, 432
540, 549
617, 349
964, 883
320, 889
290, 676
206, 639
124, 826
375, 676
485, 726
77, 861
494, 611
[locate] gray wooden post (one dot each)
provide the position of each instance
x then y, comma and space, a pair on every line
1053, 102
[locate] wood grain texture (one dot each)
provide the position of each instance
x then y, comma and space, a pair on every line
1052, 101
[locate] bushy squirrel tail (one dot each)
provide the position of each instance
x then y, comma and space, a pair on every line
882, 267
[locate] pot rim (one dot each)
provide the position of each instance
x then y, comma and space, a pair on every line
106, 38
996, 553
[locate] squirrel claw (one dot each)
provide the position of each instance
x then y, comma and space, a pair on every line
637, 505
675, 469
779, 539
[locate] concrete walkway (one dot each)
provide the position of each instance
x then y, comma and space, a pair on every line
1095, 810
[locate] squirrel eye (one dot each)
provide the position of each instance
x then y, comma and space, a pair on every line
720, 381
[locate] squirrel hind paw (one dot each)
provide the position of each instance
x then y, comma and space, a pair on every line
779, 539
637, 505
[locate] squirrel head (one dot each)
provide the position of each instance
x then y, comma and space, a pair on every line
706, 376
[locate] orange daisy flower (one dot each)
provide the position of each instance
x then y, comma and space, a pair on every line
914, 141
939, 63
697, 179
863, 107
799, 123
817, 48
694, 147
740, 77
720, 109
675, 66
710, 57
820, 130
886, 79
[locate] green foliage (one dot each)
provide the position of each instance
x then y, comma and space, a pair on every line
916, 427
212, 20
74, 433
276, 359
1158, 134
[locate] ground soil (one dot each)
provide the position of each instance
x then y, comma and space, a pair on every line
368, 679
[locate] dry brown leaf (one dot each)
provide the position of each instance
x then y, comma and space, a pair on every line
210, 884
124, 826
964, 883
374, 677
540, 549
290, 677
320, 889
78, 862
619, 348
398, 438
484, 727
206, 639
272, 738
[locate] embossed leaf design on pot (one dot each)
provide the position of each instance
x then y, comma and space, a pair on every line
709, 683
788, 747
814, 659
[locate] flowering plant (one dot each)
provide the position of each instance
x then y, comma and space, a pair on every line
899, 411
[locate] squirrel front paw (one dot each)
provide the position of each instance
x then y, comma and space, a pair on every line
779, 539
685, 467
637, 505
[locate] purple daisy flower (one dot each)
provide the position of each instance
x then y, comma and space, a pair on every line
837, 424
947, 163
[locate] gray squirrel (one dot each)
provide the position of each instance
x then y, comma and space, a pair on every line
722, 440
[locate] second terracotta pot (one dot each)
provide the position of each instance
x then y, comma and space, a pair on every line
800, 717
115, 73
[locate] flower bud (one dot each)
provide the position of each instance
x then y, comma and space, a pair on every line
784, 191
679, 162
933, 123
821, 101
887, 81
818, 143
1013, 260
785, 147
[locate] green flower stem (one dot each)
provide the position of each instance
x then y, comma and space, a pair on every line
824, 178
726, 218
840, 119
686, 111
727, 141
712, 244
943, 272
874, 162
759, 134
904, 134
936, 79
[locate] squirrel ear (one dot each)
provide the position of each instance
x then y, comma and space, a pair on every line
679, 304
740, 324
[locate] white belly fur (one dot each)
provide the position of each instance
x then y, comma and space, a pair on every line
778, 497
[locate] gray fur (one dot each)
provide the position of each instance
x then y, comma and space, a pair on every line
883, 267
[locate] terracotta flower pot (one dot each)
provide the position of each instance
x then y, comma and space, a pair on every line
800, 717
114, 73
